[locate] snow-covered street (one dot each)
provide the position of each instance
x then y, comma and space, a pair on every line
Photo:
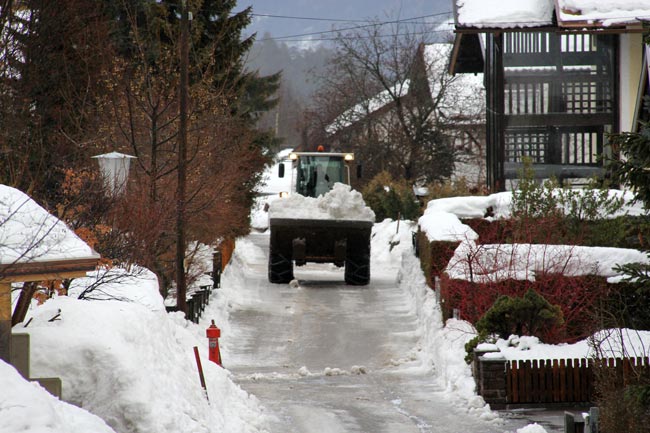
326, 357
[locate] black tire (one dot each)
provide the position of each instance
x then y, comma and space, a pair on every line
357, 268
280, 268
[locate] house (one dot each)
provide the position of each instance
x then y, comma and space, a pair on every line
560, 76
34, 246
439, 103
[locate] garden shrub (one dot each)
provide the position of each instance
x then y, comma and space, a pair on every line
456, 188
577, 297
391, 198
434, 256
530, 314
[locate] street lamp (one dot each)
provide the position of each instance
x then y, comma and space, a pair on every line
114, 167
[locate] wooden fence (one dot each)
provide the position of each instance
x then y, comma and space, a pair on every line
564, 381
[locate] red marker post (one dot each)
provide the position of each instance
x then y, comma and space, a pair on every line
213, 333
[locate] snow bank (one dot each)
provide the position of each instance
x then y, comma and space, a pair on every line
29, 233
532, 428
444, 226
137, 284
135, 368
26, 407
499, 205
341, 203
612, 343
497, 262
389, 240
443, 346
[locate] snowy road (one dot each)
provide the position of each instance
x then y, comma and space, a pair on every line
325, 357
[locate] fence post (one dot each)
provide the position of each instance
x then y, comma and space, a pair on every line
216, 269
490, 377
591, 423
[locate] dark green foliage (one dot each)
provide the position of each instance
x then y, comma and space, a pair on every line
632, 169
390, 198
528, 315
473, 344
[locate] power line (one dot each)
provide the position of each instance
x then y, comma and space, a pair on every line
341, 20
385, 35
376, 24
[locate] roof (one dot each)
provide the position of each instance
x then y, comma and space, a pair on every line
505, 14
369, 106
35, 243
463, 98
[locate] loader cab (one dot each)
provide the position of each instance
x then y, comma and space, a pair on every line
317, 172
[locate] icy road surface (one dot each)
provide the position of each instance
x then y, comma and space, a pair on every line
324, 357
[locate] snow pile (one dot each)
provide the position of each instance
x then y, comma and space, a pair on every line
443, 346
259, 212
136, 284
444, 226
612, 343
29, 233
497, 262
341, 203
135, 368
26, 407
389, 240
532, 428
499, 205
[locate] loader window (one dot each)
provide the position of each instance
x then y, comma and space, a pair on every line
317, 174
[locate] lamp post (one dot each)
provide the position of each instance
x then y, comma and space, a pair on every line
114, 167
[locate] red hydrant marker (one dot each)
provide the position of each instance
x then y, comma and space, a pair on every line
213, 333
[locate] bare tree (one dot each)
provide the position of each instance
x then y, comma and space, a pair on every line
387, 96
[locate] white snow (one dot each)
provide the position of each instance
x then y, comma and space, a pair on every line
497, 262
504, 13
532, 428
341, 203
499, 205
368, 106
532, 13
129, 363
444, 226
26, 407
135, 368
28, 233
138, 285
612, 343
129, 366
442, 345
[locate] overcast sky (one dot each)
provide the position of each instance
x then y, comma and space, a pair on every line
290, 15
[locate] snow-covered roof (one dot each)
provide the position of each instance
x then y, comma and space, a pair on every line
368, 106
464, 97
30, 234
536, 13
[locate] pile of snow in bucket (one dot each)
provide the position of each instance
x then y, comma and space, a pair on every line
341, 203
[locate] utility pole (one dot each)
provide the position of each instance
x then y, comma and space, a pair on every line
181, 283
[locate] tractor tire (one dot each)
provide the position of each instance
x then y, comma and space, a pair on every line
280, 268
357, 268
